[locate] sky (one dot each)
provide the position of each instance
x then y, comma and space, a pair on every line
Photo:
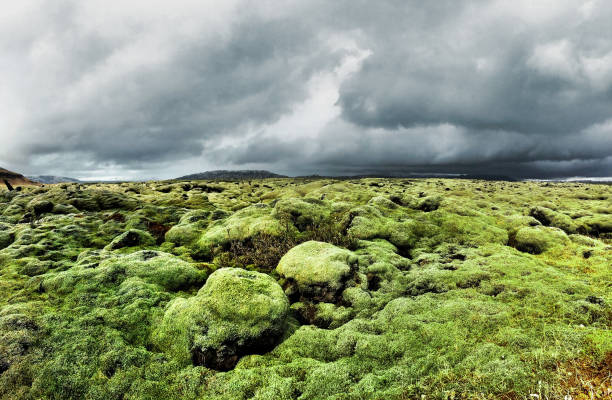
142, 89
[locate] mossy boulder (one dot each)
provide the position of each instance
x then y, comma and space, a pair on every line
538, 239
40, 207
382, 202
189, 228
158, 268
17, 335
368, 223
429, 203
108, 200
35, 267
598, 225
237, 312
154, 267
6, 236
550, 217
96, 200
131, 238
317, 271
240, 226
301, 212
322, 315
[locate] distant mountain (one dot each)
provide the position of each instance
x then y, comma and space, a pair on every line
13, 178
239, 174
50, 179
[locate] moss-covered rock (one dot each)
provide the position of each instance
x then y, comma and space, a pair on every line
599, 225
317, 271
382, 202
240, 226
40, 206
301, 212
550, 217
157, 268
6, 236
237, 312
429, 203
538, 239
131, 238
162, 269
190, 227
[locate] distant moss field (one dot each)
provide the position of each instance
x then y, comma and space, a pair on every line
306, 289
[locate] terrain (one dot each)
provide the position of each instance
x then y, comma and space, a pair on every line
306, 289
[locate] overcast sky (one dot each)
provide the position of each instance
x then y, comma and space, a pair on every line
158, 89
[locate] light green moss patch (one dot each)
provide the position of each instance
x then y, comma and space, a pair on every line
537, 240
314, 263
237, 312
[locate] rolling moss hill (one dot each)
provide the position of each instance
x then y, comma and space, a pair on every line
306, 289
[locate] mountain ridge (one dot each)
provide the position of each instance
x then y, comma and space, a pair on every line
51, 179
231, 174
14, 178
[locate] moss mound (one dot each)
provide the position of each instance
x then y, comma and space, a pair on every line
131, 238
236, 312
536, 240
243, 225
317, 270
549, 217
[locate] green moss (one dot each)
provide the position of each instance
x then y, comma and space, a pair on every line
6, 238
131, 238
438, 300
429, 203
237, 312
537, 239
153, 267
189, 228
599, 225
243, 225
314, 265
549, 217
301, 212
40, 207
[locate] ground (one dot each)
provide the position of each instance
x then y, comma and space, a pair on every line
306, 289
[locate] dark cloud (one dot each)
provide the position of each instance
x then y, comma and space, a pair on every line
152, 89
495, 76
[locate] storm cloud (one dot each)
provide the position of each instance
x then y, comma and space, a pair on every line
161, 89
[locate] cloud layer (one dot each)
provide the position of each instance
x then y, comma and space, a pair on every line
158, 88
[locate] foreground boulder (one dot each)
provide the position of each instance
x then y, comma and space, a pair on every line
236, 313
317, 271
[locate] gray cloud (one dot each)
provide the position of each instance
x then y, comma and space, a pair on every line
497, 72
154, 89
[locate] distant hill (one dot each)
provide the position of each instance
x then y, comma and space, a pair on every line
14, 178
225, 174
50, 179
262, 174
